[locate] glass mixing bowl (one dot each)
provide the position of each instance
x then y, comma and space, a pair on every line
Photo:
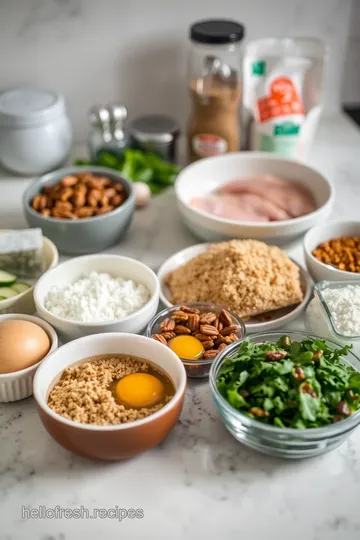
272, 440
196, 369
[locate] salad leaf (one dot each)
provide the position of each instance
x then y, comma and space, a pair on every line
302, 390
138, 166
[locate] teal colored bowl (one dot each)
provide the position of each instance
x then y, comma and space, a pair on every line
86, 235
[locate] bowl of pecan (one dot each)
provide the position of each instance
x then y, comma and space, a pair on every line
197, 332
81, 209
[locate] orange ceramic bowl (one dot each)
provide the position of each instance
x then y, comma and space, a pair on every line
113, 442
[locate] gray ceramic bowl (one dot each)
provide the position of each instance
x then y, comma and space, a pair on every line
87, 235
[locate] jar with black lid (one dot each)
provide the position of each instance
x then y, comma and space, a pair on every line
214, 81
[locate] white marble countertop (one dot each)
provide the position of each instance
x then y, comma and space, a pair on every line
200, 483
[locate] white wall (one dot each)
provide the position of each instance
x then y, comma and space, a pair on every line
134, 51
351, 79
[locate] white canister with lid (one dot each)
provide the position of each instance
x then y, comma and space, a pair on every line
35, 132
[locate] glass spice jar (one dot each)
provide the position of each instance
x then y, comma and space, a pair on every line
214, 81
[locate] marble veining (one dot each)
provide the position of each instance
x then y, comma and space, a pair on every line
199, 483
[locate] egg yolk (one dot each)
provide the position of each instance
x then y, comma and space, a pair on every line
187, 347
140, 390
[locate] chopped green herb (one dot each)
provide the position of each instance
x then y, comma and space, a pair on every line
306, 386
138, 166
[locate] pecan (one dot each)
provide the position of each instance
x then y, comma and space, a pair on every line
306, 388
65, 206
79, 199
218, 325
84, 212
211, 353
193, 322
179, 316
317, 354
103, 210
94, 197
225, 318
209, 344
259, 413
201, 337
95, 183
222, 346
117, 200
64, 214
159, 337
228, 340
118, 187
299, 374
207, 318
343, 408
208, 330
110, 192
69, 181
167, 325
274, 356
188, 309
47, 190
104, 201
180, 330
46, 212
168, 335
66, 194
39, 202
230, 330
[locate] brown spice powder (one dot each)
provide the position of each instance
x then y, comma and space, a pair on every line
83, 395
246, 276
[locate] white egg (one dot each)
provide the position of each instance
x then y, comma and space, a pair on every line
142, 194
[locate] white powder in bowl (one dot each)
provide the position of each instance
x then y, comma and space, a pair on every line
344, 306
97, 298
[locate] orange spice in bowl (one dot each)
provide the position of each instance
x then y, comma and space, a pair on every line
343, 253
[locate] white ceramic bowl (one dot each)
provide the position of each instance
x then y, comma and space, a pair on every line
119, 441
206, 175
333, 229
19, 385
279, 318
116, 266
24, 302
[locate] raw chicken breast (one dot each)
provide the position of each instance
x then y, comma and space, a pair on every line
293, 197
246, 207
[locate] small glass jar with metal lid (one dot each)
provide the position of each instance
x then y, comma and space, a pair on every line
107, 130
155, 133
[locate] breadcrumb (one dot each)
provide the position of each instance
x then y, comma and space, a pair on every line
246, 276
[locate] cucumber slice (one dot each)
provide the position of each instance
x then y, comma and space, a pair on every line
6, 292
6, 279
20, 287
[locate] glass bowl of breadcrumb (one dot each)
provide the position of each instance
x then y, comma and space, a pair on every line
197, 332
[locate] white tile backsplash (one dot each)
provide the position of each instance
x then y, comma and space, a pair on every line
134, 51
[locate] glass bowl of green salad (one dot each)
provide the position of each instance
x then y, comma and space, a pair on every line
289, 395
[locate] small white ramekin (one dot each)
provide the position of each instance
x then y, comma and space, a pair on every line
19, 385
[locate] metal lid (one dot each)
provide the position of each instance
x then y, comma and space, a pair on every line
217, 31
154, 128
29, 107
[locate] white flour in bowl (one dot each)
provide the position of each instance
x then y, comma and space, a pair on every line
96, 297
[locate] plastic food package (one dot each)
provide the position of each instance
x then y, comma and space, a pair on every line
21, 253
283, 81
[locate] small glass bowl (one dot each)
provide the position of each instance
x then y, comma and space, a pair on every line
318, 318
196, 369
272, 440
